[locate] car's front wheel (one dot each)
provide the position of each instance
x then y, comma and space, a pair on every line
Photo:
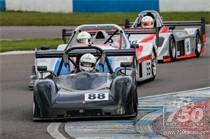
36, 110
135, 104
198, 44
172, 48
154, 65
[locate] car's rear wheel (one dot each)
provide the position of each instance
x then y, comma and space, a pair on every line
154, 65
198, 44
172, 48
32, 77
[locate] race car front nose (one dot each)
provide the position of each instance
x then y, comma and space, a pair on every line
83, 112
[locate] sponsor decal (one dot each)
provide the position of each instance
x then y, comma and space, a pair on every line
188, 119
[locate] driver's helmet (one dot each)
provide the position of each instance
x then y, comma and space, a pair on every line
87, 63
84, 37
147, 22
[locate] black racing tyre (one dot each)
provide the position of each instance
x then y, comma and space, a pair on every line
129, 105
135, 104
154, 65
33, 70
132, 103
172, 48
36, 110
198, 44
32, 77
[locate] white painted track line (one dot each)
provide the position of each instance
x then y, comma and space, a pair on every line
17, 52
52, 129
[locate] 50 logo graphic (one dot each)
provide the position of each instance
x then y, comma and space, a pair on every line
190, 116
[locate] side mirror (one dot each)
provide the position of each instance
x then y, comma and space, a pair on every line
42, 68
44, 47
134, 45
126, 69
127, 23
171, 27
125, 64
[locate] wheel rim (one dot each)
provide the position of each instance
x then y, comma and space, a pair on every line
154, 65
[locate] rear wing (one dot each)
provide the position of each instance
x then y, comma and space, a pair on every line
64, 55
60, 54
155, 31
141, 30
66, 33
200, 23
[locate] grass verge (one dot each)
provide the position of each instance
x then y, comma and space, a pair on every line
28, 44
43, 19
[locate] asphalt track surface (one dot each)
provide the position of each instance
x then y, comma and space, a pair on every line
16, 100
34, 32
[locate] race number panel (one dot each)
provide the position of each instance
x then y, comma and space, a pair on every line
96, 96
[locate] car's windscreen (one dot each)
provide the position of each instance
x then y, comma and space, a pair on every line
84, 81
101, 36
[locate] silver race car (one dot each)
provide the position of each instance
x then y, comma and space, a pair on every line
83, 93
177, 39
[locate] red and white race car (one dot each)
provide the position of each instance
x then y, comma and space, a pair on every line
174, 44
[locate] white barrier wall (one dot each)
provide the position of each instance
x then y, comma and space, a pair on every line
184, 5
104, 5
40, 5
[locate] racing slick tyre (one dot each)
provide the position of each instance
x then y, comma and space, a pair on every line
32, 77
135, 104
132, 104
128, 105
198, 44
154, 65
172, 48
36, 110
